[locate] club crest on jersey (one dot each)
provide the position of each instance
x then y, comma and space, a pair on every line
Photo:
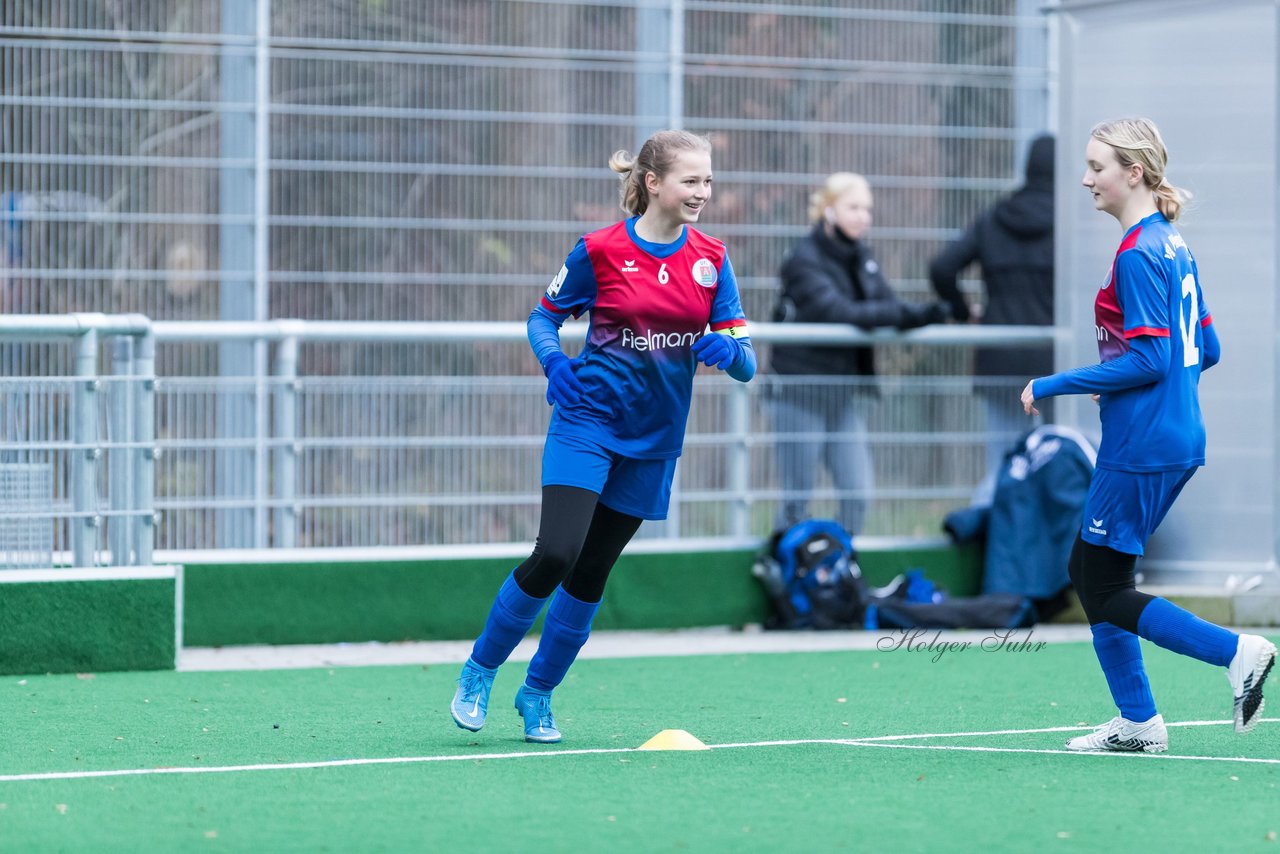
704, 272
554, 288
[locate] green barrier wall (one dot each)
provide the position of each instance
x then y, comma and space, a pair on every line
392, 600
85, 625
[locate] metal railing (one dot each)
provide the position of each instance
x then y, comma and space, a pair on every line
306, 458
79, 451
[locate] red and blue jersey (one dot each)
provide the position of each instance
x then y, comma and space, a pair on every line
1151, 322
648, 303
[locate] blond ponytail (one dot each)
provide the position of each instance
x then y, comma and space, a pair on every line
1170, 200
633, 197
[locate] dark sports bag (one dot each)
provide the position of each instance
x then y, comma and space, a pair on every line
811, 575
988, 611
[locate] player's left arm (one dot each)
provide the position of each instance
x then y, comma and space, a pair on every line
728, 346
1211, 346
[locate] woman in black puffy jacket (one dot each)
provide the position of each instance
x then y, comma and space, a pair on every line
830, 276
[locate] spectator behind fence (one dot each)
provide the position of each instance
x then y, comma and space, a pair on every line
1012, 242
652, 285
831, 277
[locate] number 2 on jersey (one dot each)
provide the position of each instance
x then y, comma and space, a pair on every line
1188, 324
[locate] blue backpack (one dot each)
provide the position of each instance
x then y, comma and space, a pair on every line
810, 573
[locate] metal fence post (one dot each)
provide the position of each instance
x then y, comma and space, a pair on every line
145, 452
119, 410
739, 459
286, 441
84, 486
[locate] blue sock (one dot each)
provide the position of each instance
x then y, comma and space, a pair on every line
567, 627
1120, 655
1165, 624
512, 614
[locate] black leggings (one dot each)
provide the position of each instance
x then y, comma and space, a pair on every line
579, 540
1103, 579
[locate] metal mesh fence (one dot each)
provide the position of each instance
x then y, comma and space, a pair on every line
26, 531
409, 160
437, 160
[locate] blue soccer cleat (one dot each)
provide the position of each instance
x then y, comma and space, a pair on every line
471, 701
535, 708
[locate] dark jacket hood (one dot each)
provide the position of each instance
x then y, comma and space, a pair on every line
1039, 169
1029, 211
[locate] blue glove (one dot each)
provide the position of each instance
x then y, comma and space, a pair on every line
717, 351
563, 387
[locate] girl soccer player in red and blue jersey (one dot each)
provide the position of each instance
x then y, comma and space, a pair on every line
1155, 337
652, 286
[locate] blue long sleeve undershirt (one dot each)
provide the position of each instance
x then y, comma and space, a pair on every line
544, 338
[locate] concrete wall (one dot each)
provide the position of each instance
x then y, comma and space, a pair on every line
1206, 72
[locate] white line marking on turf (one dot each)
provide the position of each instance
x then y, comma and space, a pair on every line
869, 741
387, 760
1032, 731
294, 766
1061, 752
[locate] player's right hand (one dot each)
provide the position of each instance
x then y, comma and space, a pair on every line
1029, 400
563, 386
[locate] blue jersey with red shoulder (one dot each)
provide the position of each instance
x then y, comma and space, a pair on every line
648, 303
1154, 339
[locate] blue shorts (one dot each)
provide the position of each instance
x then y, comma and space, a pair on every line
640, 488
1124, 507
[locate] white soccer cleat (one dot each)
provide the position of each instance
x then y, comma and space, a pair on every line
1125, 735
1254, 659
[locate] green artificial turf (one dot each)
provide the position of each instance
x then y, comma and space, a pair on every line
443, 788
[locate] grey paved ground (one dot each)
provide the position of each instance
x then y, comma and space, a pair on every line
602, 645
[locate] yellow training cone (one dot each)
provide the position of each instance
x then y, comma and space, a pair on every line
673, 739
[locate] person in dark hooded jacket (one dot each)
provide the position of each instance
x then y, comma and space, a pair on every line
830, 276
1013, 244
